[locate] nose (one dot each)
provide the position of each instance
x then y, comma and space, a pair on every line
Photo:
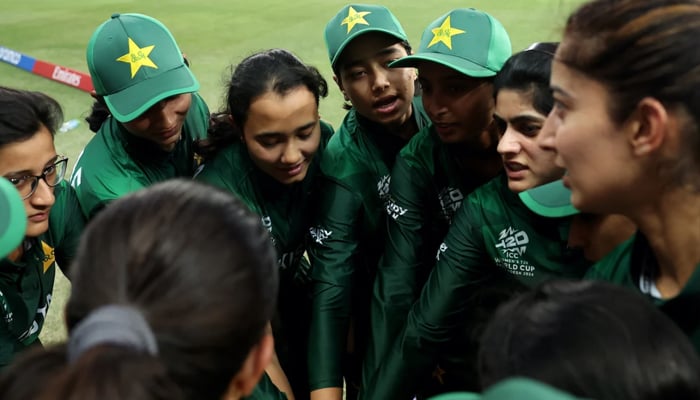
545, 139
381, 80
291, 155
165, 114
43, 196
433, 105
509, 142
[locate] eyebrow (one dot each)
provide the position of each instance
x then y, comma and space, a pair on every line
526, 118
557, 90
26, 172
298, 129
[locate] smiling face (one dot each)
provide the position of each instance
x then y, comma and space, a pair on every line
377, 92
602, 172
526, 164
282, 133
460, 107
162, 123
32, 157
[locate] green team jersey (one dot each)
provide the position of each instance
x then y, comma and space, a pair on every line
348, 240
634, 265
493, 237
428, 184
26, 285
287, 212
115, 162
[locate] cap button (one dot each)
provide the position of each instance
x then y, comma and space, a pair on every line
115, 15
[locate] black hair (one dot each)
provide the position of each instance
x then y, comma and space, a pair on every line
23, 112
528, 71
592, 339
106, 372
197, 264
98, 114
274, 70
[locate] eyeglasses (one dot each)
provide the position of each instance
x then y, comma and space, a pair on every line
52, 175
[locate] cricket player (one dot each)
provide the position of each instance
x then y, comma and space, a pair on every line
348, 238
147, 113
54, 222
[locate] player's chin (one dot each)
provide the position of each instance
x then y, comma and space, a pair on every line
35, 229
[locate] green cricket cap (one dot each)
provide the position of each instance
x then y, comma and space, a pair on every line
467, 40
354, 20
512, 389
134, 63
549, 200
13, 219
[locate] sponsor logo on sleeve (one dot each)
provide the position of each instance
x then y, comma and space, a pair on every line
450, 200
319, 234
394, 210
383, 187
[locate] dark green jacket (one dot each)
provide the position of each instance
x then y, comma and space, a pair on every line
492, 234
428, 184
633, 265
115, 162
287, 211
26, 286
348, 239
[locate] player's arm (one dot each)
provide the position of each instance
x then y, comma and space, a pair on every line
396, 285
334, 243
97, 188
433, 319
277, 375
66, 222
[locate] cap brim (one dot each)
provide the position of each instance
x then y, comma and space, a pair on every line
129, 103
512, 389
459, 64
524, 389
13, 219
360, 33
550, 200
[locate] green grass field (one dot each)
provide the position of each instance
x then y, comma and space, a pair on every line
216, 34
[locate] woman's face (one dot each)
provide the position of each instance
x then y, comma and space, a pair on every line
162, 123
460, 107
377, 92
32, 157
526, 164
601, 170
282, 133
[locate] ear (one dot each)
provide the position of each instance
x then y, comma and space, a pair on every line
245, 380
648, 128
